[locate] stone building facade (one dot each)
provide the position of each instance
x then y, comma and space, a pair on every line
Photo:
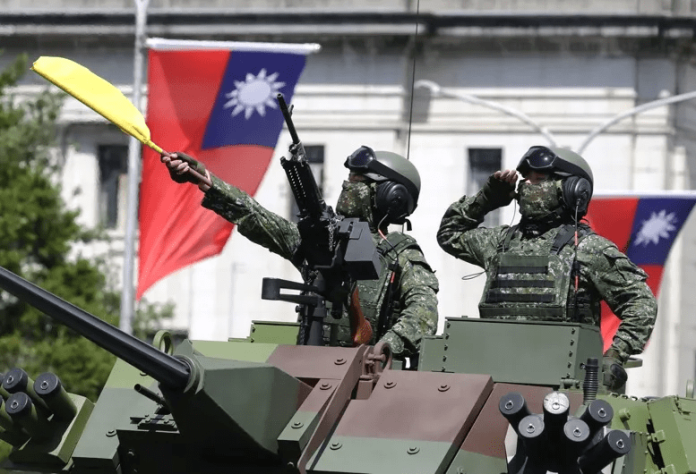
568, 65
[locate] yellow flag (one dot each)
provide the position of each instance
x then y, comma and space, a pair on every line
97, 94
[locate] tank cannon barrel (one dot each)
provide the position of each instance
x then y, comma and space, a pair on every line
162, 367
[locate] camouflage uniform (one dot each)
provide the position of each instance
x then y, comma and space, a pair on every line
605, 273
415, 308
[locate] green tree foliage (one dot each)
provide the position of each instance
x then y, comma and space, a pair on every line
38, 238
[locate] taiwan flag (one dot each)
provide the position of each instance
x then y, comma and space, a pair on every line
215, 101
644, 227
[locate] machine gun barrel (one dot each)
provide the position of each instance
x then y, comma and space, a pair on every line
288, 119
162, 367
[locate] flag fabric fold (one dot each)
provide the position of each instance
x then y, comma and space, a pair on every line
644, 226
217, 102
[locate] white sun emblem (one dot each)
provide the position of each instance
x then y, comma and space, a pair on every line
657, 227
254, 93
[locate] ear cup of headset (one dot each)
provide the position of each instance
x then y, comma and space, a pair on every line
577, 192
393, 200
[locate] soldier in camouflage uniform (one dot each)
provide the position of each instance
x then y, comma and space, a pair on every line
536, 270
382, 189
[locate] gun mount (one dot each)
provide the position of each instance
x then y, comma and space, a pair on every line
333, 253
261, 407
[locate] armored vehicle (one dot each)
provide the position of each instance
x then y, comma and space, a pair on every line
266, 405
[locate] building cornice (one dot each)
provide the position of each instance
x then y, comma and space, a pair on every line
211, 22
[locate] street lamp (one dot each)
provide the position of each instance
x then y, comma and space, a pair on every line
134, 147
634, 111
437, 91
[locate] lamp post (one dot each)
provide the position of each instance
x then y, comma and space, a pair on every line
634, 111
438, 91
134, 148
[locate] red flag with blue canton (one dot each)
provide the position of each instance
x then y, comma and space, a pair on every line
216, 102
644, 227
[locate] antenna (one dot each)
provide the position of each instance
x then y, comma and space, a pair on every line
413, 82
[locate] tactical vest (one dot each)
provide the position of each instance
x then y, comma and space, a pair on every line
374, 292
537, 287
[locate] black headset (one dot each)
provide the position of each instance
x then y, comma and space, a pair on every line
394, 201
577, 192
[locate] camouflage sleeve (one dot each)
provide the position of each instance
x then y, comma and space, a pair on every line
460, 236
418, 287
253, 221
623, 286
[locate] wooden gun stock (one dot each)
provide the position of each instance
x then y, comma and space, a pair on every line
360, 328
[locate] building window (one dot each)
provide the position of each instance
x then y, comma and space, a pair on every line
315, 156
113, 173
482, 163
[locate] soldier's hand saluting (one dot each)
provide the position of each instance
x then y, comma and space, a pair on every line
180, 166
499, 190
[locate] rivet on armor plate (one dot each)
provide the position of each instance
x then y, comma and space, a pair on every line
111, 433
389, 384
340, 361
297, 425
325, 386
413, 450
335, 445
443, 388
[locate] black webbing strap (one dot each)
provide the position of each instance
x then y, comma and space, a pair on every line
565, 235
523, 264
522, 269
505, 243
555, 313
497, 297
399, 242
522, 284
584, 313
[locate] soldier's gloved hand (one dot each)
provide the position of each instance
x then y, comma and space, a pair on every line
296, 149
179, 165
499, 190
614, 375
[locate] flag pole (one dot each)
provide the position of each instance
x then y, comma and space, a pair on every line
134, 149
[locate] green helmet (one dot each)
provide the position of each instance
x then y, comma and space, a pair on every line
578, 182
560, 161
399, 181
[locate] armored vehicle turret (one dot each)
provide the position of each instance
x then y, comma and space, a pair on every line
488, 397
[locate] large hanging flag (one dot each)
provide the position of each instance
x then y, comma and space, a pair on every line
644, 227
217, 102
